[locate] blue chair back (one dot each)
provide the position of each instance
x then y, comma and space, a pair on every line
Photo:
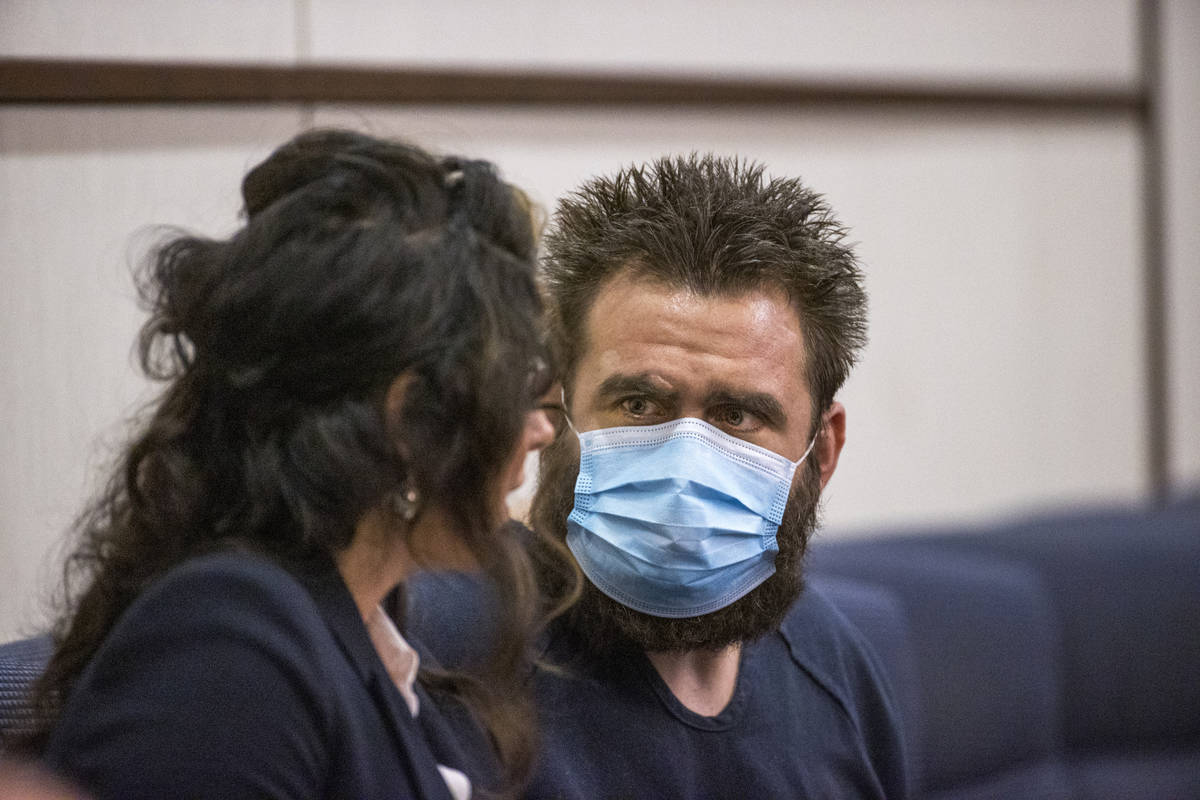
21, 662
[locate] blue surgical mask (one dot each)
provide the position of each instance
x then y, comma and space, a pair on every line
678, 519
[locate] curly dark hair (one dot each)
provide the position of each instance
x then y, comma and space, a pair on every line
715, 226
359, 260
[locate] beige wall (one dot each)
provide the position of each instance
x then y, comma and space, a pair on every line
1005, 371
81, 189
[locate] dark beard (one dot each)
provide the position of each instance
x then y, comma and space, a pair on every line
604, 625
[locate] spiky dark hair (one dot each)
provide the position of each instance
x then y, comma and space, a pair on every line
716, 226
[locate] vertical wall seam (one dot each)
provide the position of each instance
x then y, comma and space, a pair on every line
303, 24
1154, 300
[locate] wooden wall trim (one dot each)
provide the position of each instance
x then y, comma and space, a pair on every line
116, 82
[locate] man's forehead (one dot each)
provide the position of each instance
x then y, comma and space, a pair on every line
638, 281
630, 300
658, 338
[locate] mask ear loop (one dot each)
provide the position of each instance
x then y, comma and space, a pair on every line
811, 445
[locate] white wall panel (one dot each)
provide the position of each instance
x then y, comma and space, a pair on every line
1003, 259
1005, 370
81, 187
1181, 115
1086, 40
239, 30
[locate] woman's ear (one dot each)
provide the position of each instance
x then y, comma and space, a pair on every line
397, 394
394, 401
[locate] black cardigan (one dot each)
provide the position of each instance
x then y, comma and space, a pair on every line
232, 677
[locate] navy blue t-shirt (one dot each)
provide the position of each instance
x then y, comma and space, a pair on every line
811, 717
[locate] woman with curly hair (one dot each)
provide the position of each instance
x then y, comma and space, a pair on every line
351, 388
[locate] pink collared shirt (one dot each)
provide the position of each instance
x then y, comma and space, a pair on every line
402, 663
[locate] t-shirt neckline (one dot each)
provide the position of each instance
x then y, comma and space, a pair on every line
726, 718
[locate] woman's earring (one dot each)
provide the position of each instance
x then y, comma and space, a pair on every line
405, 503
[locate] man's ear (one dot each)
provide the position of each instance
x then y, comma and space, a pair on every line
830, 441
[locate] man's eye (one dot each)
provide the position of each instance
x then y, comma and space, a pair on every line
738, 419
636, 406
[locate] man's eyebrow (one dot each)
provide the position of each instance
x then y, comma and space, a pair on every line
762, 405
641, 383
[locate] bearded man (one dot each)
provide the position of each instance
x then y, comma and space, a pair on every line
705, 316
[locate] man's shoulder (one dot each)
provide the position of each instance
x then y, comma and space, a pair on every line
851, 639
822, 627
845, 635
